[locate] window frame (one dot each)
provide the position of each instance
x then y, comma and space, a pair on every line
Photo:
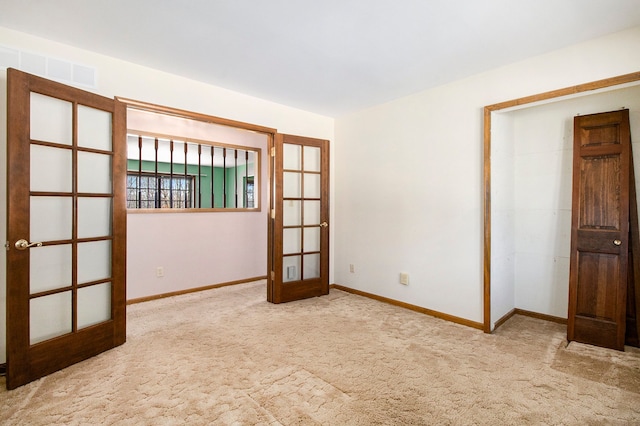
160, 176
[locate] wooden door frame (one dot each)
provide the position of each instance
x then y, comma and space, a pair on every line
488, 110
268, 158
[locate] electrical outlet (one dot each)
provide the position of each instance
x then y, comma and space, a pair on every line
352, 268
159, 272
404, 278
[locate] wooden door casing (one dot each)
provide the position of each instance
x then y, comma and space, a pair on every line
25, 361
600, 229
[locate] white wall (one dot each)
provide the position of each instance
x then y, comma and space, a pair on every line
542, 137
503, 253
409, 173
170, 233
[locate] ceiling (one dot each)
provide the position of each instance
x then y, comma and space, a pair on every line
330, 57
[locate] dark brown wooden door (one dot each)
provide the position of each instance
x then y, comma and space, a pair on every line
300, 219
66, 226
600, 229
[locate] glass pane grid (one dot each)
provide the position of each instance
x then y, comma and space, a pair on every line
301, 211
58, 305
96, 151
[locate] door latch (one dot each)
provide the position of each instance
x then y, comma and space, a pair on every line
23, 244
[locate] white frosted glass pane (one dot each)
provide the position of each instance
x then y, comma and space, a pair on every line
311, 239
51, 119
291, 240
291, 213
291, 156
94, 173
311, 159
94, 128
94, 261
51, 218
290, 268
94, 217
311, 212
51, 169
94, 304
311, 266
49, 317
291, 185
49, 268
311, 185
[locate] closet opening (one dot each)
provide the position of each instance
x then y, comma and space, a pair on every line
527, 195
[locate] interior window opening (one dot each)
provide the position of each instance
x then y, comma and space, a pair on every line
167, 173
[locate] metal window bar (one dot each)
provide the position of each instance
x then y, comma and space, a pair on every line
199, 175
171, 173
139, 171
156, 188
157, 192
187, 203
213, 198
246, 179
235, 177
224, 176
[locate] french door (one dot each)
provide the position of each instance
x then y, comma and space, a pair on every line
66, 220
300, 219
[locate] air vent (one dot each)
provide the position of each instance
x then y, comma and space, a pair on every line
47, 67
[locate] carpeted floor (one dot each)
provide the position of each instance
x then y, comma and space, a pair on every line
226, 356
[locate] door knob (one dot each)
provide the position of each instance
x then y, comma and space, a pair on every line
24, 244
324, 224
617, 242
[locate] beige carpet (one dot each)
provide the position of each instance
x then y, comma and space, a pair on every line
226, 356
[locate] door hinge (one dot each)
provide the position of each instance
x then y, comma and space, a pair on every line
273, 275
273, 151
6, 245
273, 216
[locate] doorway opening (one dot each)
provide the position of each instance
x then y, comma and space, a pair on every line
527, 169
219, 243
